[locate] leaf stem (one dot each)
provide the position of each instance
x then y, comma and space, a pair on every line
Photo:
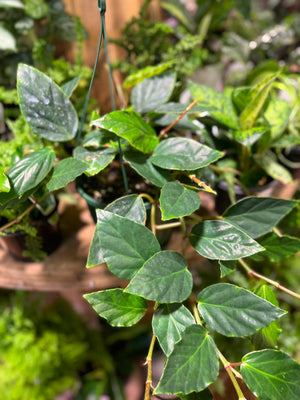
231, 372
201, 184
254, 274
149, 373
168, 128
196, 314
167, 226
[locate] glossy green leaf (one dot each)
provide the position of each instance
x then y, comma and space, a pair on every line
8, 41
4, 182
215, 105
226, 267
97, 159
271, 375
270, 165
131, 207
163, 278
153, 92
141, 163
258, 215
146, 72
259, 94
220, 240
126, 245
45, 106
36, 8
195, 352
177, 201
70, 86
183, 154
169, 321
250, 136
31, 170
64, 172
279, 247
98, 138
270, 334
277, 114
233, 311
117, 307
130, 126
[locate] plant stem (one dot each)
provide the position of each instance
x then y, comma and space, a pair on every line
196, 314
230, 371
149, 364
168, 128
201, 184
168, 226
254, 274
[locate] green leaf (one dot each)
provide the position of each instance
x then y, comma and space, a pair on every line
31, 170
258, 215
279, 247
143, 166
69, 87
277, 114
97, 159
163, 278
153, 92
233, 311
169, 321
4, 182
146, 72
203, 395
132, 127
259, 94
12, 3
220, 240
36, 9
64, 172
117, 307
47, 109
250, 136
270, 165
8, 41
126, 245
195, 352
214, 104
183, 154
179, 11
226, 267
131, 207
271, 375
177, 201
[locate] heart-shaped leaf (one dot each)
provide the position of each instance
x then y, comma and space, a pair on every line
117, 307
163, 278
177, 201
195, 352
220, 240
169, 321
183, 154
64, 172
271, 375
45, 106
233, 311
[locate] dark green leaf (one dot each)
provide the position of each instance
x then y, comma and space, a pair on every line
271, 375
226, 267
64, 172
99, 138
195, 352
132, 127
70, 86
279, 247
97, 159
144, 167
163, 278
169, 321
203, 395
220, 240
183, 154
177, 108
45, 106
177, 201
185, 122
153, 92
233, 311
117, 307
258, 215
126, 245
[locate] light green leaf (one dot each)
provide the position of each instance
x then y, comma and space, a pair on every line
64, 172
220, 240
8, 41
258, 215
126, 245
4, 182
97, 159
195, 352
117, 307
153, 92
250, 136
233, 311
271, 375
36, 9
70, 86
11, 3
47, 109
270, 165
179, 11
183, 154
146, 72
143, 166
177, 201
163, 278
215, 105
169, 321
277, 114
132, 127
